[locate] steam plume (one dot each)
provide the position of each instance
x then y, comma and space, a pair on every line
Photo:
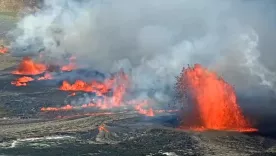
153, 39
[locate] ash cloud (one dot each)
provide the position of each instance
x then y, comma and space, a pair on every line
153, 39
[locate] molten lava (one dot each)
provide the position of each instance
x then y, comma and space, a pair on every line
72, 94
118, 83
102, 128
139, 108
29, 67
3, 50
71, 66
64, 108
80, 85
22, 81
47, 76
214, 101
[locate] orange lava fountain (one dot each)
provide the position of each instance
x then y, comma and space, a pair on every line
29, 67
214, 99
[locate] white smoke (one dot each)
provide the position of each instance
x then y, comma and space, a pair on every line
153, 39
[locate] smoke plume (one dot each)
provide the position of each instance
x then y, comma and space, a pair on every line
152, 40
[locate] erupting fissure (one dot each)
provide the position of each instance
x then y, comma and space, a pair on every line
80, 85
214, 105
71, 65
116, 85
28, 67
23, 81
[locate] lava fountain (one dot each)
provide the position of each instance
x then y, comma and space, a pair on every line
28, 67
214, 101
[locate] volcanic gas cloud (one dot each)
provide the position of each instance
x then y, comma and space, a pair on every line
214, 101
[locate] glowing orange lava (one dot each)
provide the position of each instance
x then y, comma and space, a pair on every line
102, 128
72, 94
29, 67
3, 50
64, 108
214, 100
22, 81
80, 85
71, 66
119, 90
139, 108
47, 76
118, 83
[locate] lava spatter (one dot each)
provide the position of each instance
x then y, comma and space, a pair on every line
28, 67
70, 66
22, 81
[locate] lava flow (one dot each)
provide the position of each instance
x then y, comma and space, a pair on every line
139, 108
79, 85
214, 101
67, 107
118, 83
22, 81
3, 49
29, 67
71, 66
47, 76
102, 128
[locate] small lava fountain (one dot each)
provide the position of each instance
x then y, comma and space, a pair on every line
214, 101
29, 67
